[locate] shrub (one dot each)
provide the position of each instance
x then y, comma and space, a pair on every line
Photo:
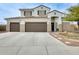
2, 27
57, 29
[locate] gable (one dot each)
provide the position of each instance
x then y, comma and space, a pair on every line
41, 7
57, 12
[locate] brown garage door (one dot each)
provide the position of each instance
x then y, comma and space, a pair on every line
36, 27
14, 27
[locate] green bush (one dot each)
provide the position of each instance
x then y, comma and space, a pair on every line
57, 29
2, 27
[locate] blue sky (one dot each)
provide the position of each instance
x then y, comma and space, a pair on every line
12, 9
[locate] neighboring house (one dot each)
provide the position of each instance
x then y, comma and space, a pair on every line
38, 19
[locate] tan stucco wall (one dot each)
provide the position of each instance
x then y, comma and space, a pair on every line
8, 26
22, 23
60, 27
22, 13
57, 21
22, 26
48, 26
35, 13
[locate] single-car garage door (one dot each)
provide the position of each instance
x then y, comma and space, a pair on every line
36, 27
14, 27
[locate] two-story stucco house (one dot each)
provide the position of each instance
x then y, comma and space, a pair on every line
38, 19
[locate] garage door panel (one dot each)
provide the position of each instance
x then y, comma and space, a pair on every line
36, 27
14, 27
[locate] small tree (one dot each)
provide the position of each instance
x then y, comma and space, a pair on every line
73, 14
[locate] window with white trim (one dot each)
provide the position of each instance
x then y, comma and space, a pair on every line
41, 12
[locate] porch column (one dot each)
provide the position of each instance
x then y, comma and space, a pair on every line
22, 26
60, 24
55, 26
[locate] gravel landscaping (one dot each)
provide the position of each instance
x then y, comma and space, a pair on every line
70, 35
69, 38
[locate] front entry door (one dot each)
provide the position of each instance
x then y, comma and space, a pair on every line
52, 27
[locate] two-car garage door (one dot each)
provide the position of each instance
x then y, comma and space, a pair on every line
36, 27
29, 27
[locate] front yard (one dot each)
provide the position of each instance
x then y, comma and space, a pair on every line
69, 38
70, 35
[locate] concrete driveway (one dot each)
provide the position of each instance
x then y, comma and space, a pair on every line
33, 43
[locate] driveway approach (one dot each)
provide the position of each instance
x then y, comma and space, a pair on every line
33, 43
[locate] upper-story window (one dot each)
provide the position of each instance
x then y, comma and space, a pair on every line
41, 12
27, 13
